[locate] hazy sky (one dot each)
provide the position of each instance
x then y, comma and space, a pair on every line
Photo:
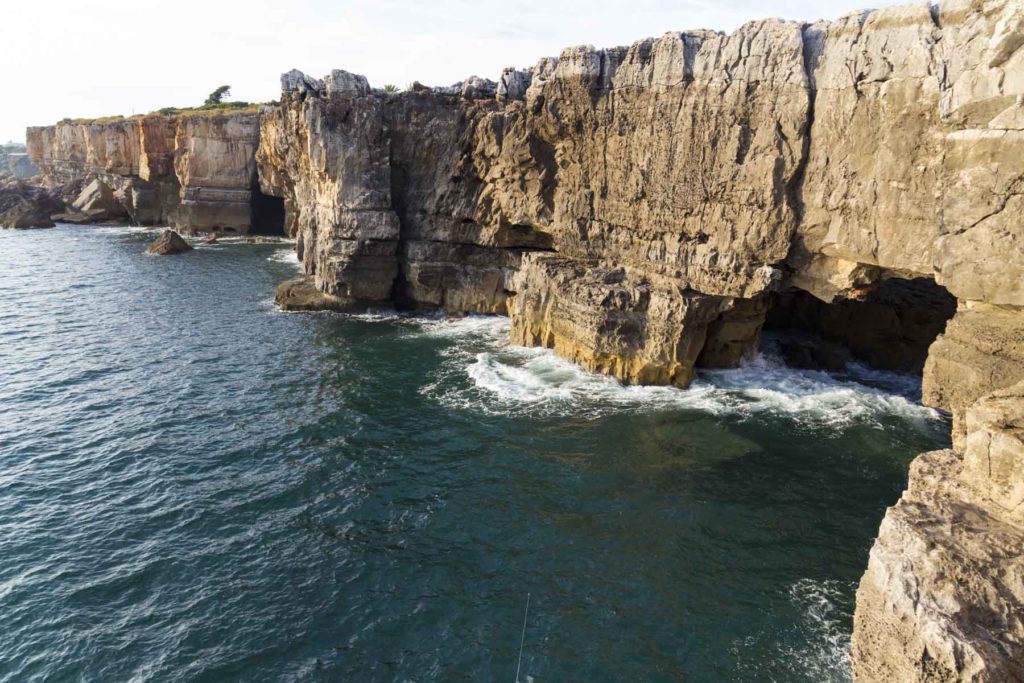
83, 58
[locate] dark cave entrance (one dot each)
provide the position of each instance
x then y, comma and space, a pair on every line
890, 328
267, 214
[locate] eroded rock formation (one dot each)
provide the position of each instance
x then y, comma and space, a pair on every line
196, 172
941, 599
24, 205
168, 243
639, 210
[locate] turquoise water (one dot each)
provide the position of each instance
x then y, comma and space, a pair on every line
194, 486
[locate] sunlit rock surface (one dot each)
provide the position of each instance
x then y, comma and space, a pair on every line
193, 171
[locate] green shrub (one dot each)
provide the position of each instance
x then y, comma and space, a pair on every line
217, 95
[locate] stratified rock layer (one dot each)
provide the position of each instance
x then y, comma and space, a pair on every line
194, 171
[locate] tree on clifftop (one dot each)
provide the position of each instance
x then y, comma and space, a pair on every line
217, 95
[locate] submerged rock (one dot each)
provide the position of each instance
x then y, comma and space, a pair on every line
169, 243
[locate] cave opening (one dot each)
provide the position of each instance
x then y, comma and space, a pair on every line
267, 214
890, 327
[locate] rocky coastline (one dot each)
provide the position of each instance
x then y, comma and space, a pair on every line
647, 210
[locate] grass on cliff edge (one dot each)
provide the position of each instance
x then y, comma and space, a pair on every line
204, 110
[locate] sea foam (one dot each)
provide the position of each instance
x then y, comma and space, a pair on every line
508, 379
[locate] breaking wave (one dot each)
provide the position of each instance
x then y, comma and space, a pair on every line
288, 256
512, 380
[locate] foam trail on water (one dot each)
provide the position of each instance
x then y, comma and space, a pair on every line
826, 653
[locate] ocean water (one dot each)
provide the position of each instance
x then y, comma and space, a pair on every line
196, 487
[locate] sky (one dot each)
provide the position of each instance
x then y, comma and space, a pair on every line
88, 58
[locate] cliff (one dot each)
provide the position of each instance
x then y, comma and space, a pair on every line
646, 210
195, 171
641, 210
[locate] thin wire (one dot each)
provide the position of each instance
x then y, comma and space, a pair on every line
522, 640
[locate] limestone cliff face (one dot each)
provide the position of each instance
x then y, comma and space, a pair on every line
941, 599
915, 159
640, 209
195, 172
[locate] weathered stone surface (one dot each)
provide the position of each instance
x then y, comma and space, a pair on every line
301, 294
328, 159
981, 349
917, 153
994, 451
943, 595
215, 164
168, 244
23, 214
609, 321
195, 172
97, 202
25, 205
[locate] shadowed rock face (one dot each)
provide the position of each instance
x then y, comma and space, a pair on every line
195, 172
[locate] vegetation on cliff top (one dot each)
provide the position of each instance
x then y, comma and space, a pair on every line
213, 106
218, 95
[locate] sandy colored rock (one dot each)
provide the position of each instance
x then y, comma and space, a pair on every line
981, 349
168, 244
193, 171
301, 294
943, 595
609, 321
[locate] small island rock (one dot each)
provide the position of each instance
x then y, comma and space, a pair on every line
169, 242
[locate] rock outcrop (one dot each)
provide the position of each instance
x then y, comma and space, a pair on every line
943, 595
24, 205
168, 243
195, 171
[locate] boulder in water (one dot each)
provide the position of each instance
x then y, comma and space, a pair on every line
169, 242
25, 205
301, 294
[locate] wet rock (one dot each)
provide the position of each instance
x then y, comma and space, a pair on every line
168, 243
23, 214
301, 294
810, 352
